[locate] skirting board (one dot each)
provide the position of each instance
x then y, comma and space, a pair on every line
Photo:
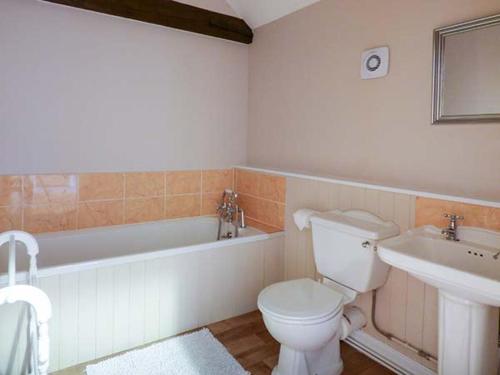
386, 355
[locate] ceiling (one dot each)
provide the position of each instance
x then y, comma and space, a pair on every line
259, 12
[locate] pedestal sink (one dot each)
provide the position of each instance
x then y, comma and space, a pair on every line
467, 274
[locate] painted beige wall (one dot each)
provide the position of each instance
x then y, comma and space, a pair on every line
83, 92
309, 110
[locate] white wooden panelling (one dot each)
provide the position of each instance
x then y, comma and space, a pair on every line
68, 331
50, 285
415, 311
137, 297
152, 301
430, 320
104, 307
403, 306
86, 315
274, 261
106, 310
121, 304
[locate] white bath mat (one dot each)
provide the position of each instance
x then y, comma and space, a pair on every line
197, 353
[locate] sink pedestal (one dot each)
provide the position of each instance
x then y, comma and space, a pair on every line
468, 334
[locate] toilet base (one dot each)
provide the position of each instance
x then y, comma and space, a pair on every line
324, 361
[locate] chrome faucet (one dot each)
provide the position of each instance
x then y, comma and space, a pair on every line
229, 212
450, 232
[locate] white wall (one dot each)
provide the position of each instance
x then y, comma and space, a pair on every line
82, 91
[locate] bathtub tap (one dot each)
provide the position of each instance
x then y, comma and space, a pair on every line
229, 212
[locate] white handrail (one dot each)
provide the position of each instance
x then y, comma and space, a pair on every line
12, 260
43, 311
30, 294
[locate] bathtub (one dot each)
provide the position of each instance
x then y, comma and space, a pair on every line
119, 287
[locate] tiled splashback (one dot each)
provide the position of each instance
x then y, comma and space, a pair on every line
48, 203
263, 198
431, 211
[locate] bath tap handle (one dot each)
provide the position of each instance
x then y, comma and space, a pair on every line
453, 216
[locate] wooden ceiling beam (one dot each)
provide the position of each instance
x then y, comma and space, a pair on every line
171, 14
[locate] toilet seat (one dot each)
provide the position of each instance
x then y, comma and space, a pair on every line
301, 301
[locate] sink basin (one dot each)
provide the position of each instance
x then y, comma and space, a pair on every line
469, 268
467, 274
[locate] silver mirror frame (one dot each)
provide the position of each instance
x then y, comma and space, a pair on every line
438, 72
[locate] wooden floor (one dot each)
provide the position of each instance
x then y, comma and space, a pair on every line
247, 339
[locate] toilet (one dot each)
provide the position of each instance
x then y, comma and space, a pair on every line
306, 316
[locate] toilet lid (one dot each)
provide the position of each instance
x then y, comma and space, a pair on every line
302, 299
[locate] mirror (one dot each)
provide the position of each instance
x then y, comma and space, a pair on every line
466, 81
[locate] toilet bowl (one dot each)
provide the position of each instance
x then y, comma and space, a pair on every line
304, 317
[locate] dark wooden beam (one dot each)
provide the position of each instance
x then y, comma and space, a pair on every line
171, 14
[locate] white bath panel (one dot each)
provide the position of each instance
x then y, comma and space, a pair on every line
86, 315
104, 306
107, 309
68, 326
136, 305
152, 301
121, 303
50, 285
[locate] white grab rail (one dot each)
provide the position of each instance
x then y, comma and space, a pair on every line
30, 294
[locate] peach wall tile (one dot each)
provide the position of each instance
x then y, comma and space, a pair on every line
263, 227
272, 214
263, 211
251, 205
97, 186
262, 196
64, 202
183, 182
431, 211
209, 203
10, 190
99, 214
49, 218
493, 219
10, 218
53, 189
272, 188
182, 206
216, 180
247, 182
140, 185
144, 209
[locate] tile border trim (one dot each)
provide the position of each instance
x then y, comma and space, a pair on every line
346, 182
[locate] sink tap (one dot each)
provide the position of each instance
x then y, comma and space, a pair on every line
450, 232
